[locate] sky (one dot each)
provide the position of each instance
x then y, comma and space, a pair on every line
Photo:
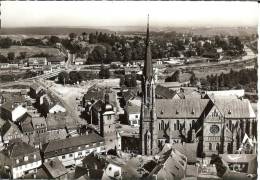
131, 13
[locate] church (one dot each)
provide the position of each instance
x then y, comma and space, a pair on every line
217, 125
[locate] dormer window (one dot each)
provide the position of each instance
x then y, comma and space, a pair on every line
34, 156
177, 112
161, 111
192, 111
17, 161
229, 111
25, 158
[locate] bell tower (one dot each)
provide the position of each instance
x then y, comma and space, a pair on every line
148, 123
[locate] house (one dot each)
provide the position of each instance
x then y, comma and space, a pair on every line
4, 65
187, 149
114, 168
72, 150
15, 98
12, 111
56, 126
37, 61
226, 93
56, 60
80, 61
10, 131
92, 168
170, 165
21, 158
132, 113
52, 169
57, 108
33, 124
246, 163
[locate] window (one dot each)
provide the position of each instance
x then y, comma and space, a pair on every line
210, 146
17, 161
108, 117
34, 156
178, 124
63, 157
25, 158
80, 153
71, 155
87, 146
217, 146
136, 116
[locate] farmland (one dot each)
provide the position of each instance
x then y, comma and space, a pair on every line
30, 50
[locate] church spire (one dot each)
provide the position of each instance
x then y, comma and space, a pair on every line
148, 67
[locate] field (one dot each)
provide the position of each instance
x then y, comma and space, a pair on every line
30, 50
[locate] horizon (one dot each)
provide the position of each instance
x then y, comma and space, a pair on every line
88, 14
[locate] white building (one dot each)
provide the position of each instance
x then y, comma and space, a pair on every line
11, 111
71, 151
57, 108
21, 158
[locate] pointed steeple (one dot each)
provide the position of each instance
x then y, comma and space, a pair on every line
148, 67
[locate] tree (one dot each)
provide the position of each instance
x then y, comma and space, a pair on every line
5, 42
11, 56
193, 79
63, 77
72, 36
3, 59
54, 40
104, 72
23, 55
74, 77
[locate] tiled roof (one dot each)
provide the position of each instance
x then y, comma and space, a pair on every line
164, 92
59, 121
72, 142
19, 148
235, 108
9, 126
133, 109
170, 84
94, 95
180, 108
55, 168
189, 150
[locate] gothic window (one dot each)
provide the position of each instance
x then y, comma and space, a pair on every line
210, 146
162, 125
159, 126
193, 123
217, 147
178, 125
174, 127
230, 125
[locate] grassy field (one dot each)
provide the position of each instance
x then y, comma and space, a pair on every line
30, 50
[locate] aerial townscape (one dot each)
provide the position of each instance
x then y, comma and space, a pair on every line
83, 103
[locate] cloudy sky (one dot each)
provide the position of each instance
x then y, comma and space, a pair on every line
133, 13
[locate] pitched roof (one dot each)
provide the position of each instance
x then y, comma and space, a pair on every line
180, 108
133, 109
170, 84
55, 168
72, 142
55, 121
94, 94
164, 92
235, 108
9, 126
9, 106
19, 148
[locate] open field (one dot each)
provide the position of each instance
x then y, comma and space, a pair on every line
30, 50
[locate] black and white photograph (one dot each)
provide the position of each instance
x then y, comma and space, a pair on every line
129, 90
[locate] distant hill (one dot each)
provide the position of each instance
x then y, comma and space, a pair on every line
204, 31
49, 30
